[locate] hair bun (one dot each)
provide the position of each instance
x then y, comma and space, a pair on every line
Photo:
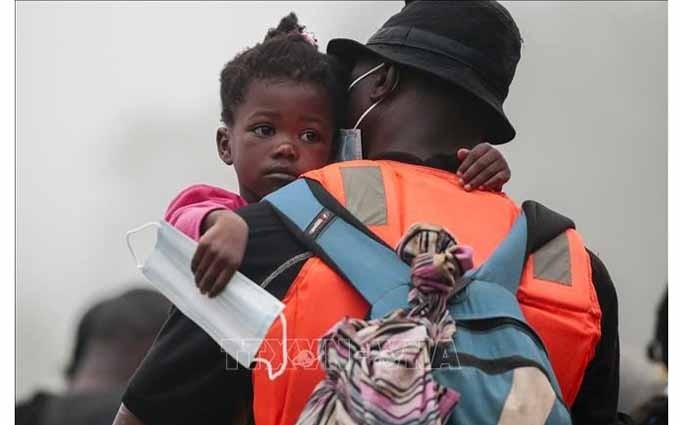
289, 26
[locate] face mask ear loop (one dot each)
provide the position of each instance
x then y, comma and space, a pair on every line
129, 234
364, 75
361, 118
370, 108
274, 375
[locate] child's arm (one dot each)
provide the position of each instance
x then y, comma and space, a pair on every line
220, 251
203, 213
483, 167
191, 206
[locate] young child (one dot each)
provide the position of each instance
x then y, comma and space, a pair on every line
282, 103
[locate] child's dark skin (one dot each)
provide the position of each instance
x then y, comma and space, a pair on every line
281, 130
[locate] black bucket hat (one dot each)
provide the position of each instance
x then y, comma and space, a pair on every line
474, 45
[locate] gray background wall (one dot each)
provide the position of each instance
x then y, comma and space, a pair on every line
117, 105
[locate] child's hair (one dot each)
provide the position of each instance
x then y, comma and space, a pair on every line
285, 55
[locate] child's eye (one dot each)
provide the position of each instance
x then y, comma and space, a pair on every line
310, 136
264, 130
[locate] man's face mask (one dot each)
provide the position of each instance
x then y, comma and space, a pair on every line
350, 145
237, 319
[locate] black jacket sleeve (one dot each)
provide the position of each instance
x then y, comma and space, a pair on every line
186, 378
597, 400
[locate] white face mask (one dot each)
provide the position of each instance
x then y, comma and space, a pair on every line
350, 138
238, 319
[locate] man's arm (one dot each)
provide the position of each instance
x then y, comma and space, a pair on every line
185, 377
597, 400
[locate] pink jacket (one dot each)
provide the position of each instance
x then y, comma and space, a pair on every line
187, 211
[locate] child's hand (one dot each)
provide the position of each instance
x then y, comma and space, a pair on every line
220, 251
483, 167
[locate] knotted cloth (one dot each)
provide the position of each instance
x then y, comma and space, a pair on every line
380, 371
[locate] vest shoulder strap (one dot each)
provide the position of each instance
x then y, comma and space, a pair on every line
543, 225
345, 244
373, 268
533, 229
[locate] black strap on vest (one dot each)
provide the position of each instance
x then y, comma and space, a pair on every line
543, 225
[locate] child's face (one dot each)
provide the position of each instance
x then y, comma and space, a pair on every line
281, 130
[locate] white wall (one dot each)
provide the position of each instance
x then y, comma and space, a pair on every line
117, 105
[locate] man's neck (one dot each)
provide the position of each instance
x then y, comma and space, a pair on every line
423, 124
422, 139
441, 162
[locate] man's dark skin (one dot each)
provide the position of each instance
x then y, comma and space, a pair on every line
422, 118
418, 118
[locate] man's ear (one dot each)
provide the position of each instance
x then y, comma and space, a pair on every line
386, 81
224, 145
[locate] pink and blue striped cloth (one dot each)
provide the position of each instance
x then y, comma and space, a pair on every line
380, 371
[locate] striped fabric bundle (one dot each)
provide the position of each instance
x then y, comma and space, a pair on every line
379, 371
437, 263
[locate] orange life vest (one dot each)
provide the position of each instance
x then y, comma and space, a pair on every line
389, 197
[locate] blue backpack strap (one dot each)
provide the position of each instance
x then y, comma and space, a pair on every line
535, 226
373, 268
506, 263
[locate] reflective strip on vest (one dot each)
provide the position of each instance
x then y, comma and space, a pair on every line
365, 194
552, 261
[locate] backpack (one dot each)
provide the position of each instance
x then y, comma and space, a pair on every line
496, 361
